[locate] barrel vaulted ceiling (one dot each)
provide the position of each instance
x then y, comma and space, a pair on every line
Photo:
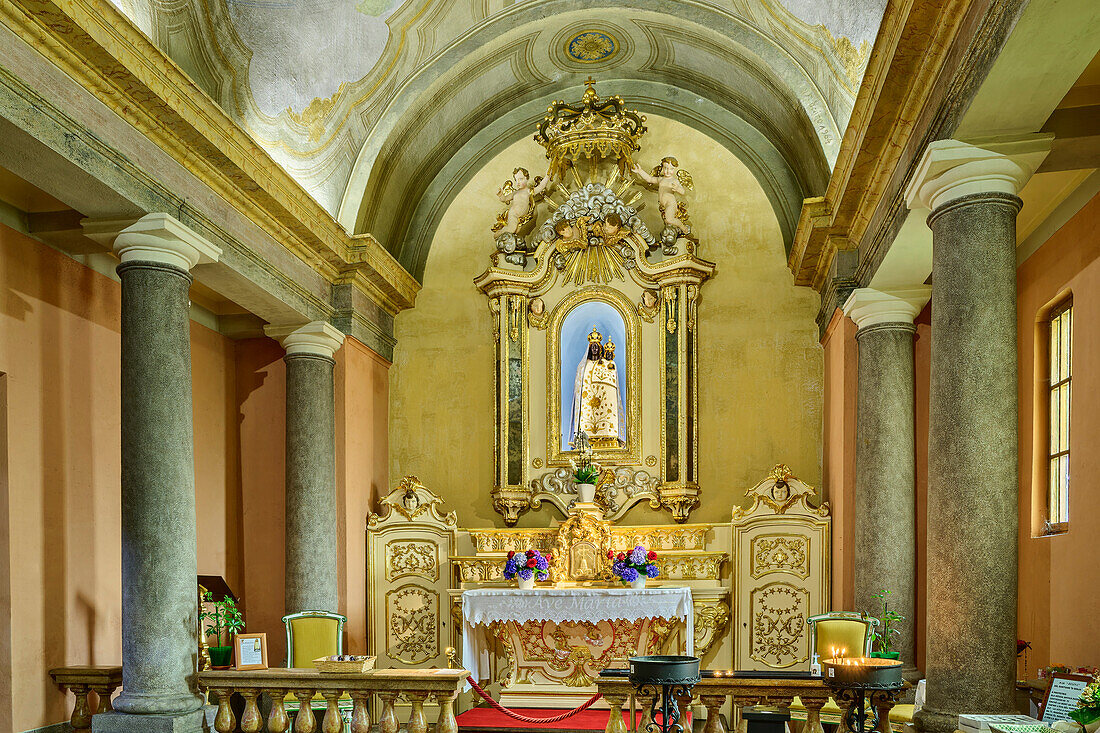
382, 109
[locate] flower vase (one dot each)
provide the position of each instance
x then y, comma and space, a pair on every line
586, 493
528, 584
638, 583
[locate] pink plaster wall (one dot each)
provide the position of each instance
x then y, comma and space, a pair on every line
59, 538
1059, 606
362, 467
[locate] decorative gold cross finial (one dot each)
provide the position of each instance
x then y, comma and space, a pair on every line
589, 81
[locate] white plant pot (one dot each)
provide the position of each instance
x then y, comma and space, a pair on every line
639, 583
586, 493
528, 584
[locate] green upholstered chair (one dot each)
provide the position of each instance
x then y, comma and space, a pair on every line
309, 635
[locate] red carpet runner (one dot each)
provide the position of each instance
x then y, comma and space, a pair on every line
488, 718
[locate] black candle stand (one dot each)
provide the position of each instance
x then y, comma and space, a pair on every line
863, 687
667, 678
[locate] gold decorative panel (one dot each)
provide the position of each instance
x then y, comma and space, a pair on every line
779, 616
412, 624
772, 553
414, 557
409, 543
781, 567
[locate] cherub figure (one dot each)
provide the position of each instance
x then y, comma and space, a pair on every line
515, 222
671, 182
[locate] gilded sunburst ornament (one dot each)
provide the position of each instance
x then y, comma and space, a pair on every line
588, 47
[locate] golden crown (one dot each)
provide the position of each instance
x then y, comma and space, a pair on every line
594, 128
609, 347
595, 337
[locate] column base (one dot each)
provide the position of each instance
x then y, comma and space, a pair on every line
935, 721
116, 722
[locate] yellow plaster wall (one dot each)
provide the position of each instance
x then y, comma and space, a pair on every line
760, 363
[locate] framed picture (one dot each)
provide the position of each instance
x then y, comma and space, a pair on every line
1062, 696
250, 651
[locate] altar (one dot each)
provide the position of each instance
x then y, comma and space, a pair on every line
558, 640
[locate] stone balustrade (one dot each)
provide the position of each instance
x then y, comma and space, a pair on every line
442, 685
712, 693
81, 681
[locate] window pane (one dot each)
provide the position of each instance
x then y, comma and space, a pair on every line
1065, 340
1055, 352
1055, 421
1063, 399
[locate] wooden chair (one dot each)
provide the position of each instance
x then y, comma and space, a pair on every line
309, 635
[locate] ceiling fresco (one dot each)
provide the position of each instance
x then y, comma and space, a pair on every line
367, 102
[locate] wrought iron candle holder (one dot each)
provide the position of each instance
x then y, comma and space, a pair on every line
863, 683
667, 679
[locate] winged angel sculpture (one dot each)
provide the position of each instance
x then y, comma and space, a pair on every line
594, 228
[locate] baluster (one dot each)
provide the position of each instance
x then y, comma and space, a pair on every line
883, 704
81, 718
277, 720
417, 722
251, 720
104, 693
333, 723
813, 714
615, 722
304, 721
224, 722
713, 704
387, 723
360, 716
446, 722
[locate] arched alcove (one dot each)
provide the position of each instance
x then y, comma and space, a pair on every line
759, 361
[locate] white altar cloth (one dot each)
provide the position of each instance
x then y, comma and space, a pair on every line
489, 605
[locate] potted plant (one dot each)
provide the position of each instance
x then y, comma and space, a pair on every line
886, 630
585, 471
1087, 712
527, 567
634, 567
223, 620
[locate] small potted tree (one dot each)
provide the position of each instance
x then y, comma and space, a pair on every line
223, 620
887, 630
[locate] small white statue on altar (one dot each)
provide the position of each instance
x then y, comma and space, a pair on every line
597, 402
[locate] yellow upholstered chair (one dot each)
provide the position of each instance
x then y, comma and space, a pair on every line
843, 634
309, 635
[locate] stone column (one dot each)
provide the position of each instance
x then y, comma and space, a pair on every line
885, 519
311, 545
159, 598
973, 482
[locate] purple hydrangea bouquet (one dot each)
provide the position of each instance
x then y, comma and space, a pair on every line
634, 567
527, 567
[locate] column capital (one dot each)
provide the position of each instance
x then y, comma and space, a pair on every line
316, 338
153, 238
870, 307
951, 169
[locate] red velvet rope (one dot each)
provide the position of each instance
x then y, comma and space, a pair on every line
524, 718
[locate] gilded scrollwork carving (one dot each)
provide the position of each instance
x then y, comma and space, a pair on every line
779, 613
412, 557
414, 502
617, 491
782, 553
412, 622
711, 618
781, 493
697, 565
687, 537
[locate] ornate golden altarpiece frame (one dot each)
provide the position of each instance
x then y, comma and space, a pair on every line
595, 247
780, 541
